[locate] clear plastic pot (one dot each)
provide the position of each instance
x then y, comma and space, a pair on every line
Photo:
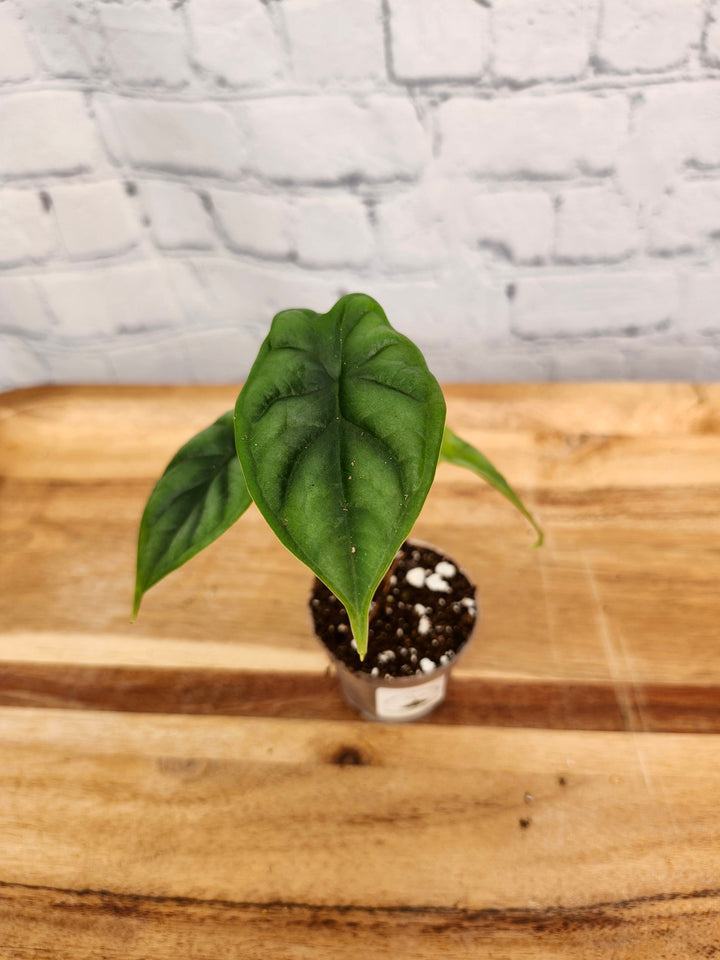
397, 699
394, 700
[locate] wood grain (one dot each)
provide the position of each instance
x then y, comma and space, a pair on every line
193, 786
242, 833
651, 708
134, 928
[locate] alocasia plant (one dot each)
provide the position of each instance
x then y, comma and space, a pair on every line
336, 436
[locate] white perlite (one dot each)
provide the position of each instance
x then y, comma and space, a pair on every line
427, 665
416, 577
434, 581
445, 569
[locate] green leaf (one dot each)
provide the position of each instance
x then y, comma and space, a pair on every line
462, 454
338, 429
201, 493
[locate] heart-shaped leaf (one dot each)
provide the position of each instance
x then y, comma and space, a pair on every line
338, 429
201, 493
463, 454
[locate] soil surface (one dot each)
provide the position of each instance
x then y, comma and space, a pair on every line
422, 615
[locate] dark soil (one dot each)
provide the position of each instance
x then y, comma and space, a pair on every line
413, 629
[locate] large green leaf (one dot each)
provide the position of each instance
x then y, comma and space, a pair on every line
201, 493
338, 429
463, 454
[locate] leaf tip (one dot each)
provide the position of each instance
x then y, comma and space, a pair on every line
359, 628
136, 604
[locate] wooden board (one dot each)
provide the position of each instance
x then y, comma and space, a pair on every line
193, 785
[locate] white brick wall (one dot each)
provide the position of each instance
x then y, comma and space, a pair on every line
176, 216
543, 39
17, 62
435, 41
145, 44
46, 132
234, 42
258, 224
323, 139
530, 187
648, 35
333, 232
529, 137
594, 225
335, 42
94, 219
27, 233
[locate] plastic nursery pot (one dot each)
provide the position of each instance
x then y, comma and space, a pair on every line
424, 614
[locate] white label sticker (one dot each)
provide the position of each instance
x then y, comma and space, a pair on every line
406, 703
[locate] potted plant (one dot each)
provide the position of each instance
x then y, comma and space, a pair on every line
335, 436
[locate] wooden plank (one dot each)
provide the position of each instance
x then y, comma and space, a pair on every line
568, 433
192, 785
622, 592
656, 708
249, 832
100, 925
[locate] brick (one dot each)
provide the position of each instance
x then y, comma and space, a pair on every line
77, 364
647, 35
412, 228
700, 303
177, 216
198, 138
333, 231
332, 41
501, 364
67, 36
27, 232
234, 41
594, 225
146, 43
47, 132
115, 299
711, 46
217, 291
593, 304
95, 219
22, 308
675, 125
429, 225
462, 300
518, 223
684, 119
19, 365
221, 355
149, 359
708, 364
434, 41
668, 361
326, 139
578, 361
254, 223
16, 61
542, 39
687, 219
527, 136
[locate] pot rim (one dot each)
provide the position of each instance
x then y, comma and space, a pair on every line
416, 679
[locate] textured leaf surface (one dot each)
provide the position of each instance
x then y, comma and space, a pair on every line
201, 493
338, 429
462, 454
